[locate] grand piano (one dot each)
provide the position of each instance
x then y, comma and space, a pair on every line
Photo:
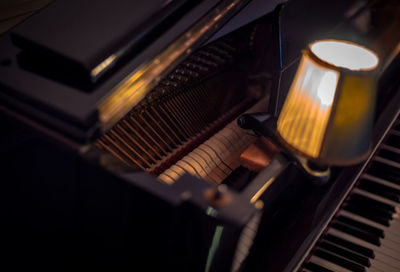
120, 146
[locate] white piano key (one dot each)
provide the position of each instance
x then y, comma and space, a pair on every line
381, 266
382, 260
391, 235
386, 243
375, 268
395, 225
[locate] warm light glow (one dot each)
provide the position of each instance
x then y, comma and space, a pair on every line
327, 87
328, 113
345, 54
307, 108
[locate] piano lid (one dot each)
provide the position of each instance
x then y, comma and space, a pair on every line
90, 36
59, 102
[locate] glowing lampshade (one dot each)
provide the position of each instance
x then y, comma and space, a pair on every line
328, 113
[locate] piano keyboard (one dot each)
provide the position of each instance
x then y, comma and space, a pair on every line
365, 233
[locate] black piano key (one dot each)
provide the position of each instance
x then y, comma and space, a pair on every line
393, 140
387, 172
380, 189
361, 226
387, 154
369, 214
384, 187
339, 261
316, 268
350, 245
346, 254
371, 210
373, 239
372, 203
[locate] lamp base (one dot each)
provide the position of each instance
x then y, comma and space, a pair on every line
318, 173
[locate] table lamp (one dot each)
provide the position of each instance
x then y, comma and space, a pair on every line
327, 117
328, 114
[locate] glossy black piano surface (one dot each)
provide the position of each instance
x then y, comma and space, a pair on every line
70, 197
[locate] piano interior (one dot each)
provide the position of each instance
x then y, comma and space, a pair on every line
187, 123
167, 180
